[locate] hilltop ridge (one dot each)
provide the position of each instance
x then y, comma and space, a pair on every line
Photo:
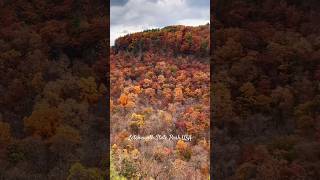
175, 40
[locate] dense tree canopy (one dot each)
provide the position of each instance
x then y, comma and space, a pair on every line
53, 66
266, 89
161, 85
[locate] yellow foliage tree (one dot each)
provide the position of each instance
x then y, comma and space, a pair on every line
43, 121
137, 121
183, 149
137, 89
137, 117
178, 94
123, 100
181, 146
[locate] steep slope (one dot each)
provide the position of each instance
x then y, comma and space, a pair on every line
160, 84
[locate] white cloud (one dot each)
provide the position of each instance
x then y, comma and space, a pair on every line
138, 15
193, 22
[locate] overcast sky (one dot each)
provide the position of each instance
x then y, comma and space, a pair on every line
129, 16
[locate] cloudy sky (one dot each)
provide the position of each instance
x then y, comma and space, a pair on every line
129, 16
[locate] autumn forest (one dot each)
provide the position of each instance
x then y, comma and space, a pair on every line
265, 89
244, 89
53, 88
160, 84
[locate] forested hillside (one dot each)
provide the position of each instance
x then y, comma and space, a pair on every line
176, 40
53, 66
266, 93
160, 84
